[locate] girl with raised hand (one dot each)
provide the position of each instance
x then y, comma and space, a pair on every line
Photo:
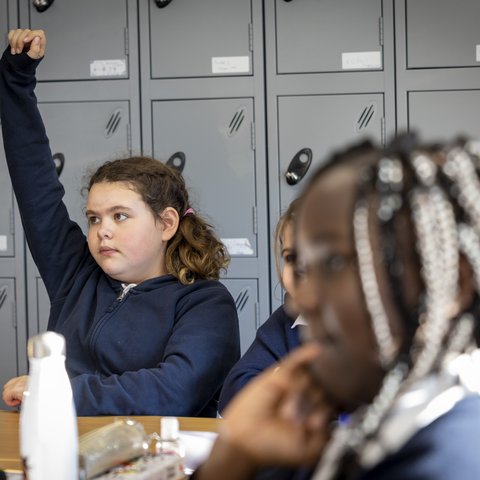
149, 328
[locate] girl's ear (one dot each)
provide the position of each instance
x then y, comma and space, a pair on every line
170, 221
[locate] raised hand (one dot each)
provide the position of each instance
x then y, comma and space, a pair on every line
31, 42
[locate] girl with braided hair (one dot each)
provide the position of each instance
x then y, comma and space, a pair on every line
388, 278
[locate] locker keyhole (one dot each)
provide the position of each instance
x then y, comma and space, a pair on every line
177, 161
59, 160
299, 166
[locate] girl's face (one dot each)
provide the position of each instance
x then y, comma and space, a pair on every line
123, 236
329, 296
288, 257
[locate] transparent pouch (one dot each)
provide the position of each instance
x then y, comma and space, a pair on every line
108, 446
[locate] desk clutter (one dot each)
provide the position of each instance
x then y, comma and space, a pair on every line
122, 449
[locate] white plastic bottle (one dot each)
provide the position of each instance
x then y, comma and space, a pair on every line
48, 422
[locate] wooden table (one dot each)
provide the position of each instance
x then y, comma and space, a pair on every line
9, 440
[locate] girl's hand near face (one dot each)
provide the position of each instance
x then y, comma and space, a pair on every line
32, 42
280, 418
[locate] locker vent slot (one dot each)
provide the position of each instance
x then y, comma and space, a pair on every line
365, 117
242, 298
3, 294
237, 121
113, 122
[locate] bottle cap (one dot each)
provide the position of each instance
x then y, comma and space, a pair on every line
169, 428
45, 345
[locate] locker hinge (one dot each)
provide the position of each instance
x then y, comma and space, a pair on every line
382, 132
253, 139
380, 30
12, 223
250, 36
257, 315
127, 42
129, 138
255, 220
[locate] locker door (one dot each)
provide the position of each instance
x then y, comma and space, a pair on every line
7, 247
443, 114
86, 39
442, 33
321, 123
200, 39
82, 136
245, 293
214, 137
328, 36
8, 330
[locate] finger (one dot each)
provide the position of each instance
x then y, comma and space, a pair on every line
14, 37
38, 41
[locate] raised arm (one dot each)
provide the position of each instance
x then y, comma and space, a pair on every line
55, 241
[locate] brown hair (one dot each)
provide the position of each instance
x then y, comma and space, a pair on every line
194, 251
286, 219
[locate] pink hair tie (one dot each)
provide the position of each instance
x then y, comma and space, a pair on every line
189, 211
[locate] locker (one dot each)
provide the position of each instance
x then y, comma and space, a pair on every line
3, 24
7, 245
200, 39
311, 126
212, 139
82, 136
440, 115
442, 33
87, 40
8, 330
328, 36
245, 293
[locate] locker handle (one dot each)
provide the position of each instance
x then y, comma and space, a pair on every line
177, 161
59, 160
162, 3
42, 5
299, 166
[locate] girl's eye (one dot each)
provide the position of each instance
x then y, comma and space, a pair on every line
290, 258
92, 220
120, 217
335, 263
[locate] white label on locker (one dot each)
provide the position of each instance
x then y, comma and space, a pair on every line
478, 53
238, 246
3, 243
361, 60
230, 64
108, 68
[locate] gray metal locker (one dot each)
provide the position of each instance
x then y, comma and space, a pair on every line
200, 39
212, 138
3, 24
245, 293
96, 49
82, 136
440, 115
328, 36
442, 33
321, 123
8, 330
